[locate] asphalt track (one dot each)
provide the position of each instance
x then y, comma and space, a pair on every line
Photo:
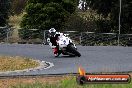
93, 59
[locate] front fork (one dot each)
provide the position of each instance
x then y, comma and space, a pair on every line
74, 46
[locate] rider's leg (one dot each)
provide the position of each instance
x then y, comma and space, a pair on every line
55, 51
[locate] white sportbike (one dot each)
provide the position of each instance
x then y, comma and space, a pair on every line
66, 46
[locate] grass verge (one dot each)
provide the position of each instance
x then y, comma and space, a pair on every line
68, 82
8, 63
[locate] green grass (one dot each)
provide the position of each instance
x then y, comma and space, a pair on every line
71, 83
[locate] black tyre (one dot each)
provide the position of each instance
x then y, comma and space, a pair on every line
73, 50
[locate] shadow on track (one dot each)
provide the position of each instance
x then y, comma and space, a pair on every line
66, 56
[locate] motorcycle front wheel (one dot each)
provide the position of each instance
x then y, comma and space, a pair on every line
73, 50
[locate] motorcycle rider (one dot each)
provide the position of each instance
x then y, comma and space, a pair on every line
53, 37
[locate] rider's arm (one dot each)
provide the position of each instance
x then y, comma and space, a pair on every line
57, 35
50, 43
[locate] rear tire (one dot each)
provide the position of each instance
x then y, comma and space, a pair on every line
73, 50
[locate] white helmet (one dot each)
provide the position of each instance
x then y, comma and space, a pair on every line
52, 31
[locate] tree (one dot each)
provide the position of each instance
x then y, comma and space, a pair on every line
110, 8
4, 11
78, 23
44, 14
17, 6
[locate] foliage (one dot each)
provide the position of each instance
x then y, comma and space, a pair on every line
4, 11
17, 6
15, 20
78, 23
29, 34
103, 26
46, 14
110, 8
3, 33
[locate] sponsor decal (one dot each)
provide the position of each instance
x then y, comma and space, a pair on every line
83, 78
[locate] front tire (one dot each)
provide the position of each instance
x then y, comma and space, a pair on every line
73, 50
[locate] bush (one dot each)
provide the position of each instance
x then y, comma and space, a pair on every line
46, 14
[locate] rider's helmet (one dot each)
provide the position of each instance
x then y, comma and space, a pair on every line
52, 32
